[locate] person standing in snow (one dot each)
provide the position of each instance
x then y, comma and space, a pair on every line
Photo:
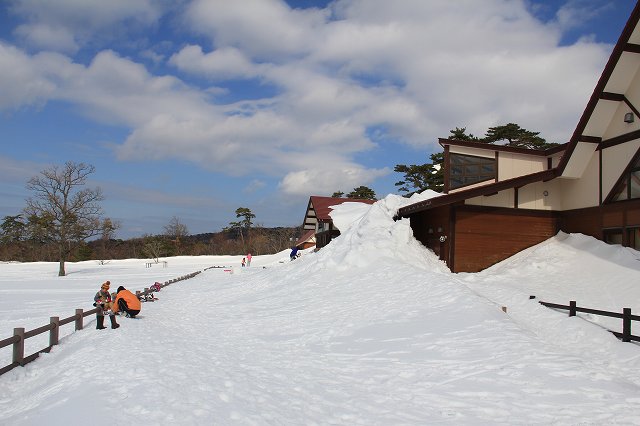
126, 302
294, 253
102, 300
248, 259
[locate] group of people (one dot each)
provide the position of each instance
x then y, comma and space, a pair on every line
246, 261
110, 304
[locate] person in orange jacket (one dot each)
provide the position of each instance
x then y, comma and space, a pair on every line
126, 302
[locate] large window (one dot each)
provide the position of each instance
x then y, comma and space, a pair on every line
616, 236
467, 169
633, 237
613, 236
629, 187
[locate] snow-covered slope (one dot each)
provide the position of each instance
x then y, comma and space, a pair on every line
370, 330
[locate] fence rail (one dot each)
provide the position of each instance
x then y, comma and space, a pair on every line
20, 335
626, 317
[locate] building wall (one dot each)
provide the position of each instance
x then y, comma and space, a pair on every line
511, 165
583, 192
501, 199
428, 226
616, 125
477, 152
485, 236
529, 197
614, 161
325, 237
533, 196
594, 221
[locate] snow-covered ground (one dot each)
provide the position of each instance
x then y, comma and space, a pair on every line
371, 330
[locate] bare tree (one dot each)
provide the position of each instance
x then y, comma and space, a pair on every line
108, 231
176, 230
153, 247
68, 212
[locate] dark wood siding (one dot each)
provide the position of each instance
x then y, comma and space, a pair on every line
485, 236
438, 221
594, 220
324, 238
584, 221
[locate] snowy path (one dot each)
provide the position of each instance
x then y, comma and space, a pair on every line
370, 330
252, 348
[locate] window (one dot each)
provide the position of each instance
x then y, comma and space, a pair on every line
629, 187
633, 237
616, 236
613, 236
467, 169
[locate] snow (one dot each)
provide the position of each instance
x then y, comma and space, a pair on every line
370, 330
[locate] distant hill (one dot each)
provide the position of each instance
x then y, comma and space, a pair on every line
257, 241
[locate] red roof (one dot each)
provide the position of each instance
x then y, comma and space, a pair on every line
306, 237
321, 205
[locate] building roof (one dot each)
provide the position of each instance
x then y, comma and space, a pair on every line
322, 205
622, 66
504, 148
306, 237
318, 208
610, 89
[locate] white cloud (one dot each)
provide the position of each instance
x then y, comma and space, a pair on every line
412, 69
16, 171
263, 28
65, 25
47, 36
327, 180
574, 13
222, 63
22, 84
254, 186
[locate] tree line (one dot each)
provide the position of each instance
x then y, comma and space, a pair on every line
430, 175
63, 219
175, 240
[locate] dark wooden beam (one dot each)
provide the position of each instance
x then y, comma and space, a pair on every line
590, 139
633, 108
608, 96
632, 47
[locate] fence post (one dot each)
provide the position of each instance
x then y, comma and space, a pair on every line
626, 324
18, 347
55, 330
572, 308
79, 319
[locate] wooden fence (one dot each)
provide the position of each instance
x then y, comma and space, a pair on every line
626, 317
20, 335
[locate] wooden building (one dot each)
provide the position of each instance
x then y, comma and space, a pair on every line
317, 217
307, 240
499, 200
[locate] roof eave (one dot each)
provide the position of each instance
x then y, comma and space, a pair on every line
455, 197
618, 49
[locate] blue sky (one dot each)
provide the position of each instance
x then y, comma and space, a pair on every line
193, 108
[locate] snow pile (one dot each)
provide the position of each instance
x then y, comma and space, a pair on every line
369, 236
370, 330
